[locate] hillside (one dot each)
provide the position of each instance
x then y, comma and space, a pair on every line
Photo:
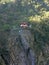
36, 13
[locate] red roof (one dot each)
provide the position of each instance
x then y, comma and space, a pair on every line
24, 24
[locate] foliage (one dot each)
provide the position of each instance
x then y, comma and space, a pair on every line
41, 39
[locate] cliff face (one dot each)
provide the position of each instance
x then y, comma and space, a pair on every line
13, 51
17, 48
2, 61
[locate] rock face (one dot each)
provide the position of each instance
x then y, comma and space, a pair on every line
2, 61
18, 48
26, 46
17, 52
